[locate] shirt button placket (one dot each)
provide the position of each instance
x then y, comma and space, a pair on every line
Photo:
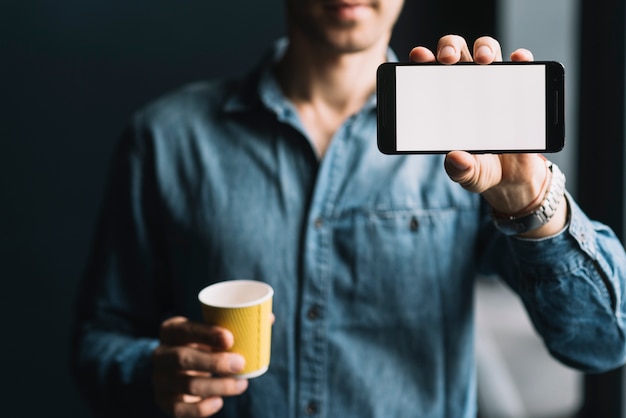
313, 333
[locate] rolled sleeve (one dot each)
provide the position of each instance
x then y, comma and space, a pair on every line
571, 285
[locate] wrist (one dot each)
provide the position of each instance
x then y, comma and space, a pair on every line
536, 216
535, 203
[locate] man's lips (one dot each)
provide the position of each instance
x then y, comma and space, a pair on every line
348, 9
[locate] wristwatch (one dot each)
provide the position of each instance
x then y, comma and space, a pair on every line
511, 225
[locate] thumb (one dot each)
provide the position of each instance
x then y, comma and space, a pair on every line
475, 173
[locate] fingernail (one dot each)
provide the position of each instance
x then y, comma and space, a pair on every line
484, 51
447, 52
237, 363
458, 165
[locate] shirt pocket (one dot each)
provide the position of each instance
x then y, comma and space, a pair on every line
401, 265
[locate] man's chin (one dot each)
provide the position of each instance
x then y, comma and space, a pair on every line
350, 43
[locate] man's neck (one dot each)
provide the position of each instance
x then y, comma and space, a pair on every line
327, 87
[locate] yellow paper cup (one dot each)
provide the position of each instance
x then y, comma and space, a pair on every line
244, 307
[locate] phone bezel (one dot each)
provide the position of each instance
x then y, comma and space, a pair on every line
555, 108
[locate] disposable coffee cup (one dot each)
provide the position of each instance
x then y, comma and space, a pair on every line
244, 307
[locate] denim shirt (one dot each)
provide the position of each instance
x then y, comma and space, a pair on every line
372, 258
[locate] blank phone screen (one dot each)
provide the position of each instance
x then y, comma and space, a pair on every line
470, 107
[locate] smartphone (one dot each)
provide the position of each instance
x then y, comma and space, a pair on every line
504, 107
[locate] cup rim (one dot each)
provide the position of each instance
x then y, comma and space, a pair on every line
269, 292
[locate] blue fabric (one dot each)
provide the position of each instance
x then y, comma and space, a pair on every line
372, 257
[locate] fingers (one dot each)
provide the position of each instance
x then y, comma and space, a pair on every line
453, 48
522, 55
422, 55
187, 346
188, 358
200, 385
196, 396
450, 50
181, 331
487, 50
201, 408
191, 369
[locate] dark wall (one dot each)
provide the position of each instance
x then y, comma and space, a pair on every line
423, 22
71, 73
601, 156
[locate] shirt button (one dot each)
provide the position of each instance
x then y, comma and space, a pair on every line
311, 408
313, 313
414, 224
318, 222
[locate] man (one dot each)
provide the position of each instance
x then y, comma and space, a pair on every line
276, 177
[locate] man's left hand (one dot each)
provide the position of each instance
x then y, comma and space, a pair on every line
509, 182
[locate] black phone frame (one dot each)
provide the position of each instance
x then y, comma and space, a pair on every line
555, 108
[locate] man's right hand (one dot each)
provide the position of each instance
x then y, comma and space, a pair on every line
192, 370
